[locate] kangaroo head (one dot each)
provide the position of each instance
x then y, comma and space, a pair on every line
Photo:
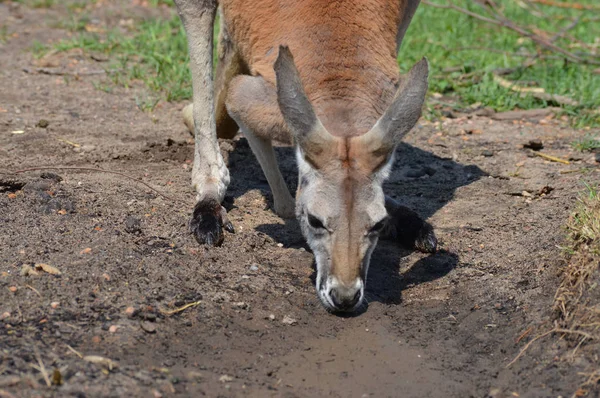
340, 202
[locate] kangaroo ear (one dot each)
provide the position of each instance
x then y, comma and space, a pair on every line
401, 115
297, 110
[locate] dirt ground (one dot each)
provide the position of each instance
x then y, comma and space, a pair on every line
442, 325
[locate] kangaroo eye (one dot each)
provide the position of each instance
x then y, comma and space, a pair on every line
375, 229
315, 222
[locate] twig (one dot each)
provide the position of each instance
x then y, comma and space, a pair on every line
180, 309
62, 72
511, 54
528, 345
522, 336
551, 158
565, 29
75, 351
73, 144
42, 368
576, 6
96, 170
34, 289
555, 330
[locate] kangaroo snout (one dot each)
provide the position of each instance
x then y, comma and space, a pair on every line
343, 297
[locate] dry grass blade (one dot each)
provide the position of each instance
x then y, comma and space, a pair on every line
180, 309
97, 171
524, 349
42, 368
551, 158
75, 351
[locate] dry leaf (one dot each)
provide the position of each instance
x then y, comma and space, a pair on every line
101, 361
87, 250
48, 268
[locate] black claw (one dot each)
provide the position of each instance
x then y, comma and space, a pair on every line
426, 241
408, 229
206, 223
229, 227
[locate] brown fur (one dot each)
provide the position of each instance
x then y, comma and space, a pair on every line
345, 52
230, 64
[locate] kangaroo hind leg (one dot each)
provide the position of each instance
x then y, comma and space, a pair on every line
252, 102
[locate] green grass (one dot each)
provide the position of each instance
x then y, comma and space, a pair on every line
587, 143
3, 34
454, 40
155, 54
463, 53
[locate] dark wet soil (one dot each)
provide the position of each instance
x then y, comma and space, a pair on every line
443, 325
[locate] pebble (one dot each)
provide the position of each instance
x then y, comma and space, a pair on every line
288, 320
54, 304
272, 317
43, 123
254, 267
280, 245
113, 328
487, 153
225, 378
148, 327
535, 145
597, 157
133, 225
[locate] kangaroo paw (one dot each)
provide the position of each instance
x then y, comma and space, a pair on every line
208, 221
408, 229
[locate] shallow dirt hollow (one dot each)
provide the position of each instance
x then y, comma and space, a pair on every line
444, 325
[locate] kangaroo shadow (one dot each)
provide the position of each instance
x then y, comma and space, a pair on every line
420, 180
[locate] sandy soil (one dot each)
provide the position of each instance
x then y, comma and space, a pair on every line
443, 325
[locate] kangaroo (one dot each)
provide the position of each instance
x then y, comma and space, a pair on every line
321, 74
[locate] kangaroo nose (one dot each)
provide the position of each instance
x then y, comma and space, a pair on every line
345, 298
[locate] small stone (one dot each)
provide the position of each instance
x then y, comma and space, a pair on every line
240, 305
487, 153
12, 289
272, 317
225, 379
288, 320
43, 123
487, 111
27, 270
449, 114
129, 311
193, 375
113, 328
597, 157
133, 225
4, 315
280, 245
148, 327
54, 304
254, 267
535, 145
